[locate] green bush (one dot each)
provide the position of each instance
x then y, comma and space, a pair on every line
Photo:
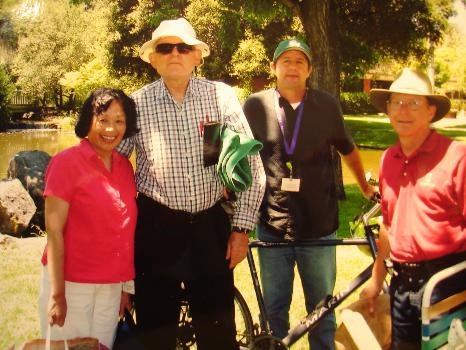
249, 61
6, 89
356, 103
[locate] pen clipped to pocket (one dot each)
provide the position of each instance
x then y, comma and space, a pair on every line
211, 145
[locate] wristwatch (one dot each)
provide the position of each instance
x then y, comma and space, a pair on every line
240, 230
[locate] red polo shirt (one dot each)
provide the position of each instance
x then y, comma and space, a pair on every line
99, 232
423, 199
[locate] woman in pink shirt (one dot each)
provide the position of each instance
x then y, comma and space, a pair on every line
90, 217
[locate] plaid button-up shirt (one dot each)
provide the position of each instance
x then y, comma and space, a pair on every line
169, 148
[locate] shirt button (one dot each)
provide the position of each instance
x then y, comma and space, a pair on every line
406, 161
405, 173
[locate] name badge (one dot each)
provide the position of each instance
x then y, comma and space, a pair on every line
290, 185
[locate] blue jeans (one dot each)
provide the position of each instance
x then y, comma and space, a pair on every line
317, 269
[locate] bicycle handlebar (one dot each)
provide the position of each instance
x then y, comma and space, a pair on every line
309, 242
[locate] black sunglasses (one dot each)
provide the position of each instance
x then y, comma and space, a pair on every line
166, 49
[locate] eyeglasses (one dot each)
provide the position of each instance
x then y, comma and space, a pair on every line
166, 49
412, 105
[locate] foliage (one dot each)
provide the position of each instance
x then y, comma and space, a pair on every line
58, 40
222, 24
221, 29
6, 89
249, 61
8, 36
350, 36
450, 63
86, 43
356, 102
133, 21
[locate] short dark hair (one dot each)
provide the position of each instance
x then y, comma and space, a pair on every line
98, 102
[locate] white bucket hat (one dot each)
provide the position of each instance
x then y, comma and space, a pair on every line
174, 27
411, 82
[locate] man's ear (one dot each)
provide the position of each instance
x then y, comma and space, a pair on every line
152, 60
198, 57
310, 71
272, 67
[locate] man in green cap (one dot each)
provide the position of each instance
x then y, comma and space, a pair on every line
297, 126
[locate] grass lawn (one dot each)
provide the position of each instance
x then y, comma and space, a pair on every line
374, 131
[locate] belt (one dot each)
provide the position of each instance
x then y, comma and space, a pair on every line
177, 215
190, 218
427, 267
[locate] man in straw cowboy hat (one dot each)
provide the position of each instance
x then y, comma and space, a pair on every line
423, 188
183, 235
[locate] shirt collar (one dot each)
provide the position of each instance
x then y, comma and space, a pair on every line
192, 90
89, 153
429, 144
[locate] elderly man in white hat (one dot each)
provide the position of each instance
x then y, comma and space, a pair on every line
423, 188
184, 236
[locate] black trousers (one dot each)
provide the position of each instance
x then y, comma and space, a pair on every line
173, 247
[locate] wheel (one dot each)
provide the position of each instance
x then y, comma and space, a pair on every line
243, 320
267, 342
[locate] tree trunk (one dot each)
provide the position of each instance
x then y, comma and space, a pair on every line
319, 19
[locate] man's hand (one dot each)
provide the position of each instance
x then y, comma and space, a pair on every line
370, 293
237, 248
57, 310
370, 192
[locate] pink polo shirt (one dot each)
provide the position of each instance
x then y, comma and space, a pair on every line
99, 232
423, 199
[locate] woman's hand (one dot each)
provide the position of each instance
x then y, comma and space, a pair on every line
57, 310
125, 303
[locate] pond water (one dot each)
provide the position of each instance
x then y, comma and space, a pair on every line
50, 141
53, 141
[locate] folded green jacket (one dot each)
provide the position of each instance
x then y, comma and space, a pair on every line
233, 165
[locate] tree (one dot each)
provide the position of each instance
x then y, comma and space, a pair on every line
249, 61
355, 33
58, 40
133, 21
6, 89
450, 67
8, 37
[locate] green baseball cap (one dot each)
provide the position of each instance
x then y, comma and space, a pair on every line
292, 44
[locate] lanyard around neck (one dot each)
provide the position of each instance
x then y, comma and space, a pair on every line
281, 117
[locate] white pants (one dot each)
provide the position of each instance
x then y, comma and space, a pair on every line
92, 310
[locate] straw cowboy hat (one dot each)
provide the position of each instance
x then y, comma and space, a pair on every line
174, 27
411, 82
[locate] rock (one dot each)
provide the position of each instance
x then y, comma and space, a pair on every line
29, 167
16, 207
